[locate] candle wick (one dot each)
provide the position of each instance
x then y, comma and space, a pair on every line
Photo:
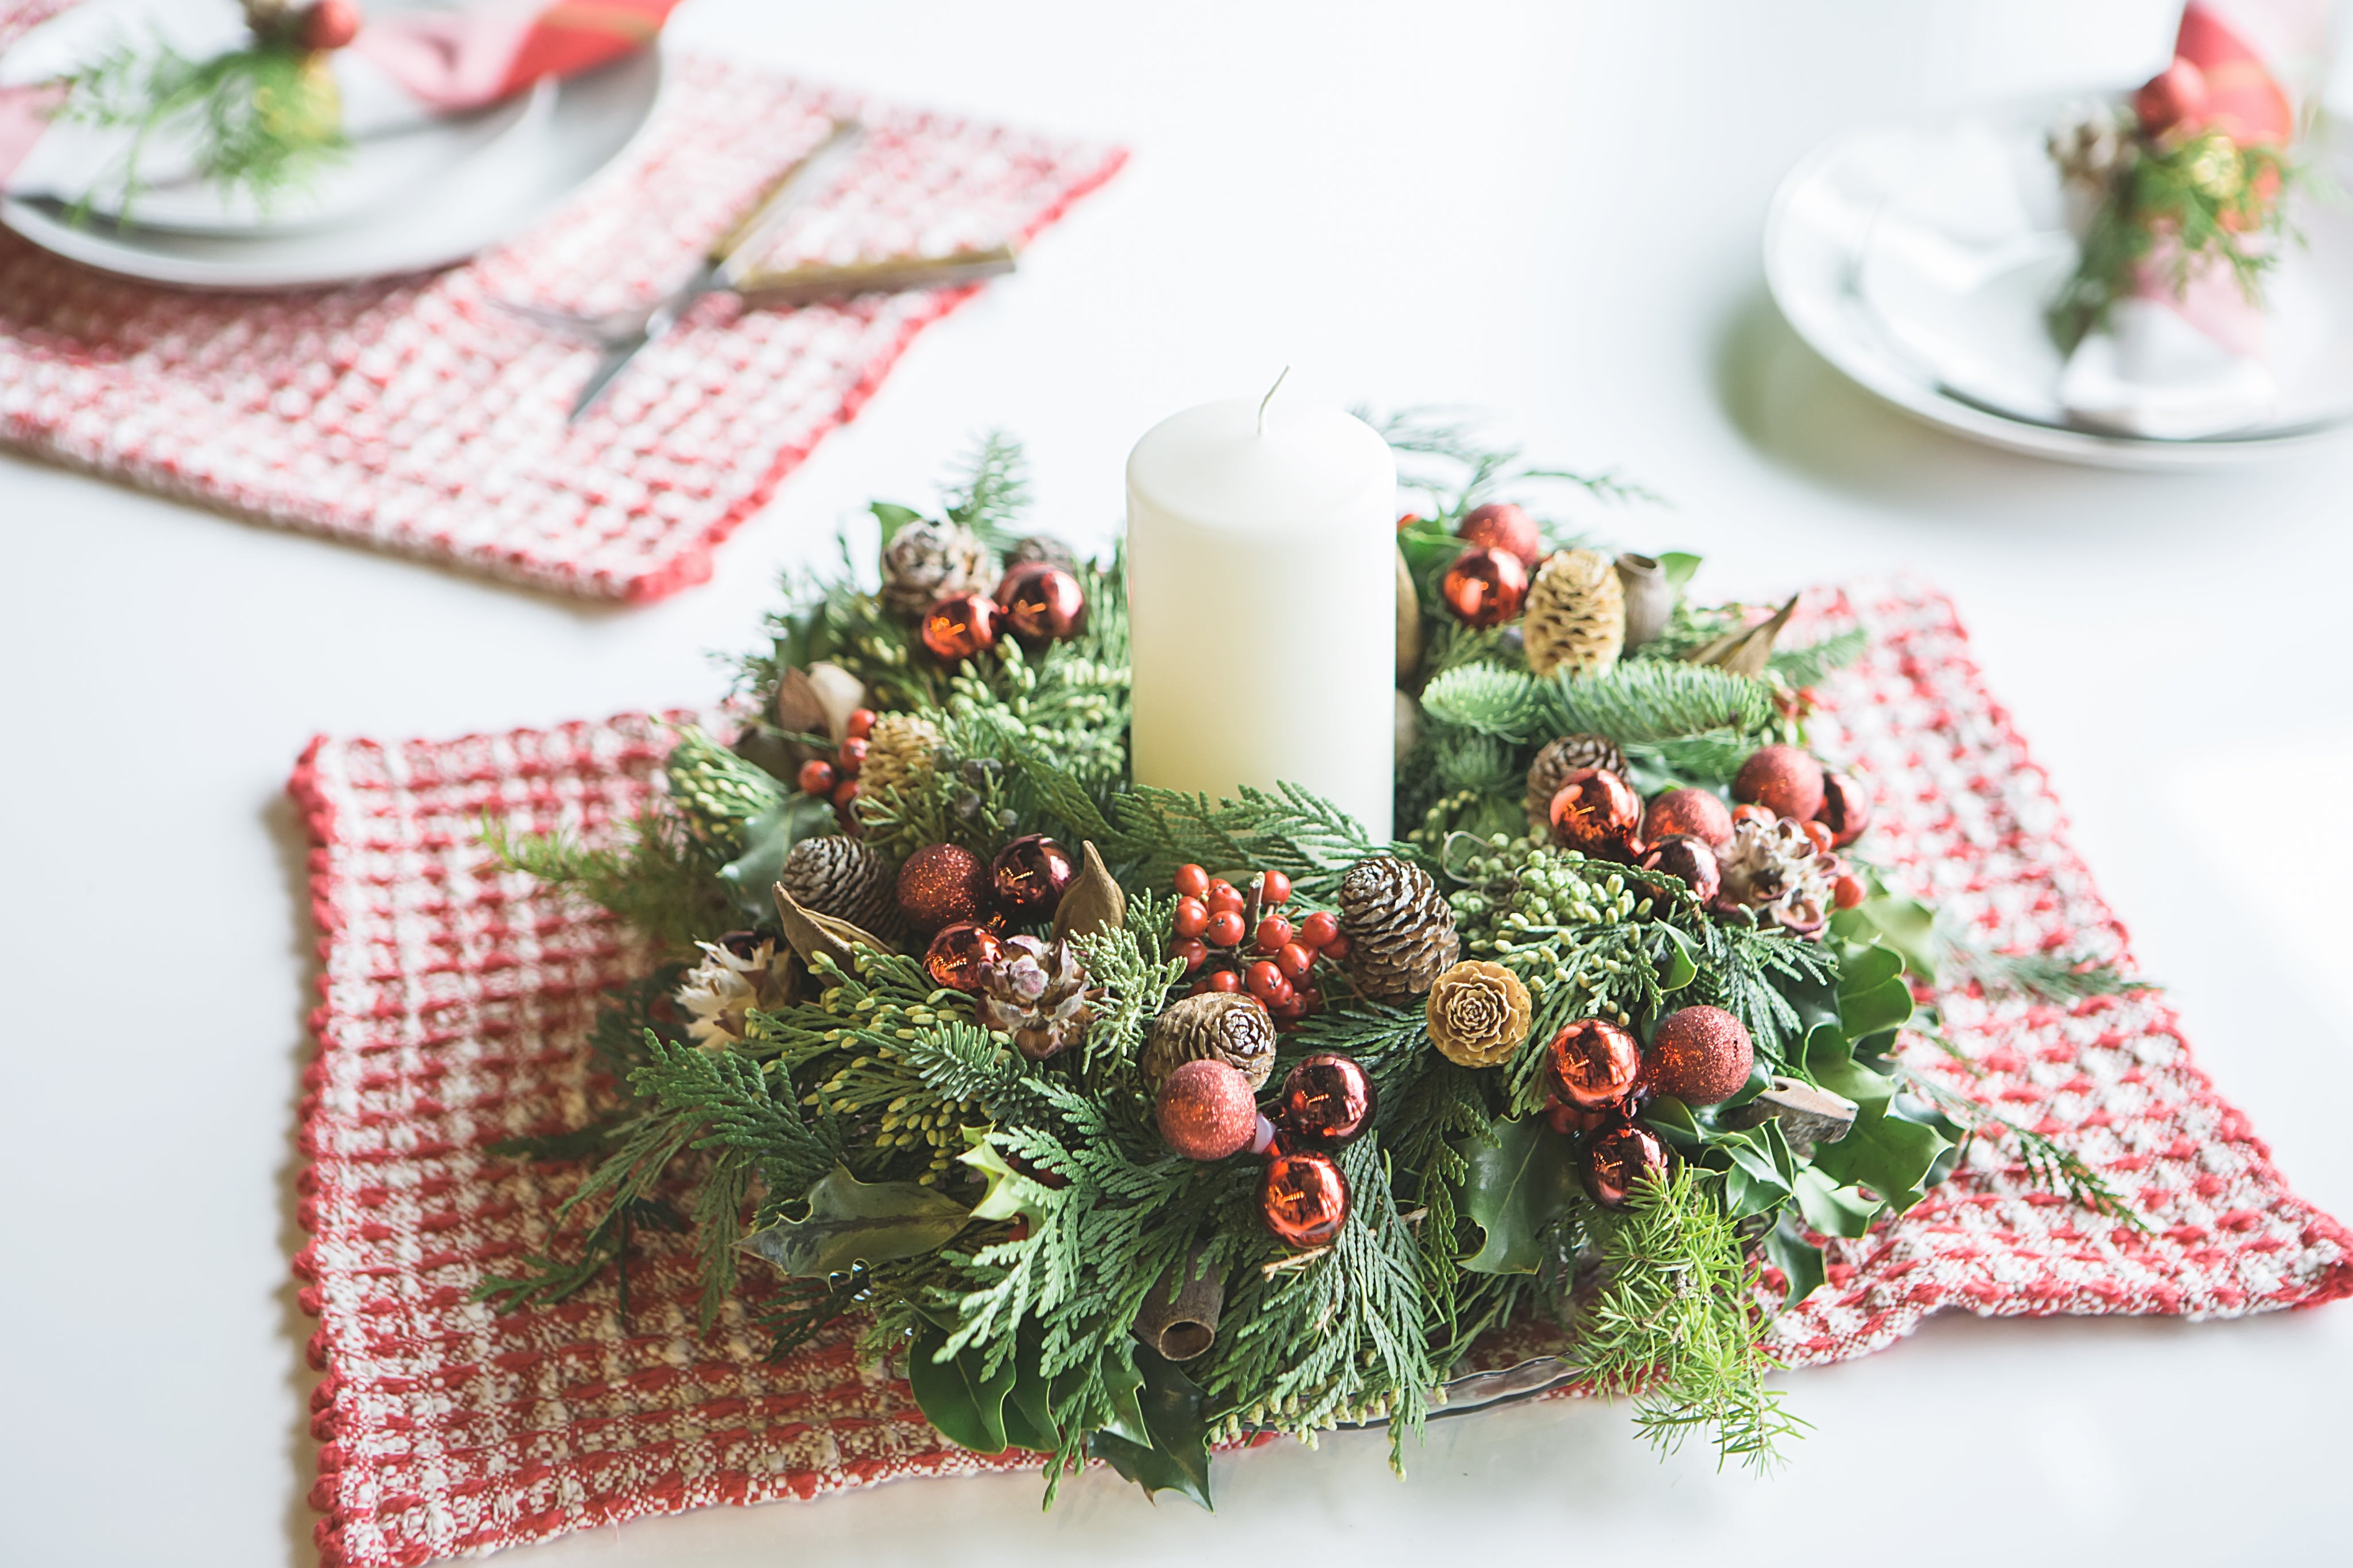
1270, 398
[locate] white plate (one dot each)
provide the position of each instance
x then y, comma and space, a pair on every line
397, 144
1944, 318
499, 190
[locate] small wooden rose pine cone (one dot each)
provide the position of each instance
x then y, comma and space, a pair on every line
1576, 615
1478, 1014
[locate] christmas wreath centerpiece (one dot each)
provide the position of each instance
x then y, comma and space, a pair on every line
1133, 1121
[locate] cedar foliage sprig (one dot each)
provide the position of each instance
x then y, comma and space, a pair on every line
264, 120
2205, 200
1674, 1323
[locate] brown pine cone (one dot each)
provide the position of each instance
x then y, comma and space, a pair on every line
926, 562
1043, 548
1226, 1025
848, 879
1400, 932
1554, 764
1576, 615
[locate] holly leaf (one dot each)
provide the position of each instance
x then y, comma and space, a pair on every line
767, 839
1172, 1451
1518, 1187
1679, 966
852, 1221
1906, 925
1799, 1262
1010, 1194
1831, 1209
1030, 1420
1871, 994
966, 1407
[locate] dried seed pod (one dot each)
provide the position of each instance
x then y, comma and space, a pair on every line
1095, 902
1179, 1318
1650, 598
1409, 621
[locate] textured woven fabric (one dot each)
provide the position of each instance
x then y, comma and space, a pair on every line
419, 415
455, 997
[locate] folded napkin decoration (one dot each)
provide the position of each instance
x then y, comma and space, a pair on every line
2179, 201
250, 104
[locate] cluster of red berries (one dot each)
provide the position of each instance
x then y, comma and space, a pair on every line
1214, 922
838, 780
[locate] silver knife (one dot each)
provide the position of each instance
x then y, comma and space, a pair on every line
742, 240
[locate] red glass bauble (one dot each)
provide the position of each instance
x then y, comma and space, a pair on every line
1784, 780
1596, 811
1500, 525
1689, 859
331, 24
960, 626
1327, 1100
1619, 1157
1846, 808
1697, 812
1484, 587
959, 953
1702, 1056
1304, 1198
1029, 877
1042, 603
1206, 1109
1594, 1063
941, 884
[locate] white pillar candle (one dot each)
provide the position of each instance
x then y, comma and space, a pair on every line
1261, 590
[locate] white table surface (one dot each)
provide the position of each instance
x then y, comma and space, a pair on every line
1546, 209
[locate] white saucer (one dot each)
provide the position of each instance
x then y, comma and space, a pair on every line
1918, 258
558, 140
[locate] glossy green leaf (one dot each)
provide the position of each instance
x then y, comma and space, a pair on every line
1677, 566
1905, 925
1831, 1209
767, 839
1672, 1117
968, 1408
1830, 1062
1680, 966
1799, 1262
1518, 1187
852, 1221
1174, 1455
1030, 1420
1888, 1154
1755, 1183
1010, 1194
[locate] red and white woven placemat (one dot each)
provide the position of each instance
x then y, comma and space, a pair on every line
455, 997
417, 416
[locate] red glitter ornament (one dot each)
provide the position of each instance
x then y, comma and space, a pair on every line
1594, 1064
1206, 1111
1596, 811
1845, 809
1702, 1056
1304, 1198
1327, 1100
960, 626
1484, 587
1619, 1158
1042, 603
958, 954
941, 884
1682, 856
1784, 780
1029, 877
1697, 811
1500, 525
